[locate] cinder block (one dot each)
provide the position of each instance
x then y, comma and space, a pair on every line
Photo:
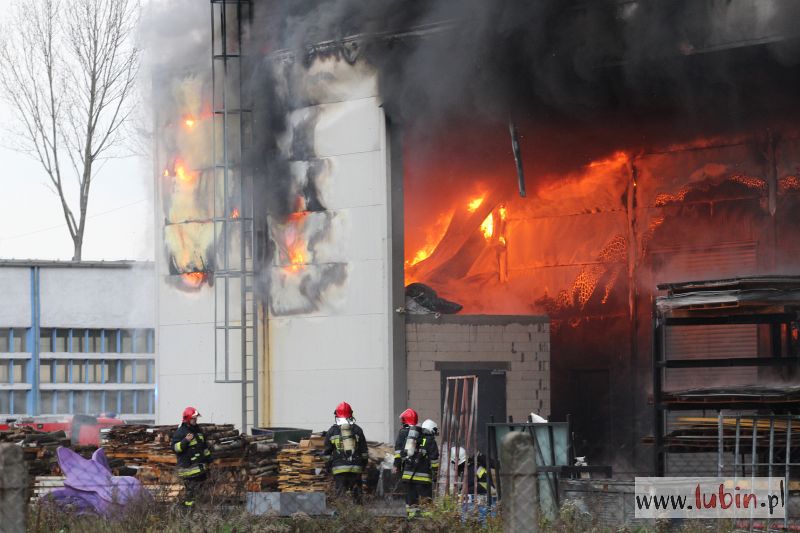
523, 346
517, 336
452, 346
426, 346
503, 346
480, 346
411, 346
487, 333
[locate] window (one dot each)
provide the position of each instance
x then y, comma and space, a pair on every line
141, 372
144, 399
46, 372
95, 402
127, 402
62, 402
16, 341
46, 340
93, 341
20, 402
5, 333
61, 371
5, 402
18, 367
111, 341
61, 343
4, 373
126, 340
46, 401
112, 368
94, 372
144, 338
127, 372
79, 402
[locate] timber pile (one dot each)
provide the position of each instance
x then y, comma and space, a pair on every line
240, 461
302, 468
261, 464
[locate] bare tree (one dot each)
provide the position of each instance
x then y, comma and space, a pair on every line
68, 69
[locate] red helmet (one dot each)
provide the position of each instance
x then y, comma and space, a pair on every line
409, 416
343, 410
189, 413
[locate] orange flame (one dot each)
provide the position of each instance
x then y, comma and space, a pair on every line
487, 226
194, 279
184, 176
433, 236
235, 212
189, 122
474, 204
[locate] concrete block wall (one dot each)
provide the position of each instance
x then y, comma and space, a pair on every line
520, 345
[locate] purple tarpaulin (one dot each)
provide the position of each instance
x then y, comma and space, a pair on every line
90, 485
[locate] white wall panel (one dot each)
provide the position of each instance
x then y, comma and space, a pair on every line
348, 127
314, 395
334, 342
217, 402
97, 297
15, 286
352, 180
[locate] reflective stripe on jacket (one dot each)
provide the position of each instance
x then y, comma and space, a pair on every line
340, 461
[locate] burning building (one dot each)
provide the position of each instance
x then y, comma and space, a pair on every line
538, 168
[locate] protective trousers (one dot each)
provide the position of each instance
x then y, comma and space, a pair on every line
417, 493
193, 488
348, 482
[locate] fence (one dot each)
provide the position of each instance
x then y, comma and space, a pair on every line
13, 489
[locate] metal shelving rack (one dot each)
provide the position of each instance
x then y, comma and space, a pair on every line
236, 308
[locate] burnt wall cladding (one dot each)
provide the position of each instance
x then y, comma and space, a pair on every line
522, 349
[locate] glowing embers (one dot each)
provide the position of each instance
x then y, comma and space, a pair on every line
235, 213
789, 183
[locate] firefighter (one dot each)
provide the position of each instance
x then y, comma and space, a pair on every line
346, 452
189, 444
416, 460
467, 464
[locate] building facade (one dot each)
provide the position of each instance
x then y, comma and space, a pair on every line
77, 338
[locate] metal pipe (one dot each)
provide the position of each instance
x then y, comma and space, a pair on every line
517, 158
720, 443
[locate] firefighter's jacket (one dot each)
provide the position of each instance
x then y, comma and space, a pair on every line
341, 461
423, 466
193, 455
481, 475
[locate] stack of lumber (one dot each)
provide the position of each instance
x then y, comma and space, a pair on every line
261, 464
302, 468
240, 462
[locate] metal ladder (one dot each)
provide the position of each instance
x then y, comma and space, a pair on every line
235, 301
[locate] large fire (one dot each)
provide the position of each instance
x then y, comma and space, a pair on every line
574, 243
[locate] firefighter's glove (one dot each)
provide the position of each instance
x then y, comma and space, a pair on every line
189, 437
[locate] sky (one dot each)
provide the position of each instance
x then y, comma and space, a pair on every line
120, 215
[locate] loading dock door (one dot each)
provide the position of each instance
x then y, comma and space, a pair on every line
491, 397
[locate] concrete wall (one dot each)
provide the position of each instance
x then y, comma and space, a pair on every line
102, 297
519, 343
15, 287
331, 344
